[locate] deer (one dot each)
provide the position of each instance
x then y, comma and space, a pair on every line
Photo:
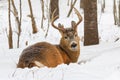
43, 54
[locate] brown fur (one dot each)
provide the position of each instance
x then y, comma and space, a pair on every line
46, 54
43, 52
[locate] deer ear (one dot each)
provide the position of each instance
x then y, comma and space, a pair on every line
62, 27
73, 23
59, 25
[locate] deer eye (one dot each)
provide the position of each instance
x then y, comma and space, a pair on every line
75, 35
65, 37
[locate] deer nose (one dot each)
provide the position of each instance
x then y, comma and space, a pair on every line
73, 45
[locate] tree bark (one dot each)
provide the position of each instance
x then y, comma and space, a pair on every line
48, 17
43, 16
20, 12
68, 2
119, 13
82, 4
103, 6
17, 21
115, 12
34, 27
10, 40
90, 22
54, 5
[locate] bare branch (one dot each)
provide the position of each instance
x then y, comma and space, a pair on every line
72, 5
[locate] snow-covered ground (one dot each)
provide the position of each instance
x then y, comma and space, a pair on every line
96, 62
99, 62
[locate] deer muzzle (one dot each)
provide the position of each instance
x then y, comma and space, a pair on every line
74, 46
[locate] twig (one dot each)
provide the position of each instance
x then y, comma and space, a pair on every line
72, 5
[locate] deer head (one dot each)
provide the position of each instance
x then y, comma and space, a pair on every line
70, 38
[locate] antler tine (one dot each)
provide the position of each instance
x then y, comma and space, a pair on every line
53, 19
79, 16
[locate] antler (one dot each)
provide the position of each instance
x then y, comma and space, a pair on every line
79, 16
60, 27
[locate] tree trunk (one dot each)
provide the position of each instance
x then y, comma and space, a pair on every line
48, 17
19, 26
10, 40
20, 12
32, 18
103, 6
90, 22
54, 5
43, 16
17, 21
68, 2
115, 12
82, 4
119, 13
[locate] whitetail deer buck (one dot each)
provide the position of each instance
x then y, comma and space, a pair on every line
46, 54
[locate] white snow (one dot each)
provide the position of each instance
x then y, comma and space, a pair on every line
96, 62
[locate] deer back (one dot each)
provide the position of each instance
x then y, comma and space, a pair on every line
40, 54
